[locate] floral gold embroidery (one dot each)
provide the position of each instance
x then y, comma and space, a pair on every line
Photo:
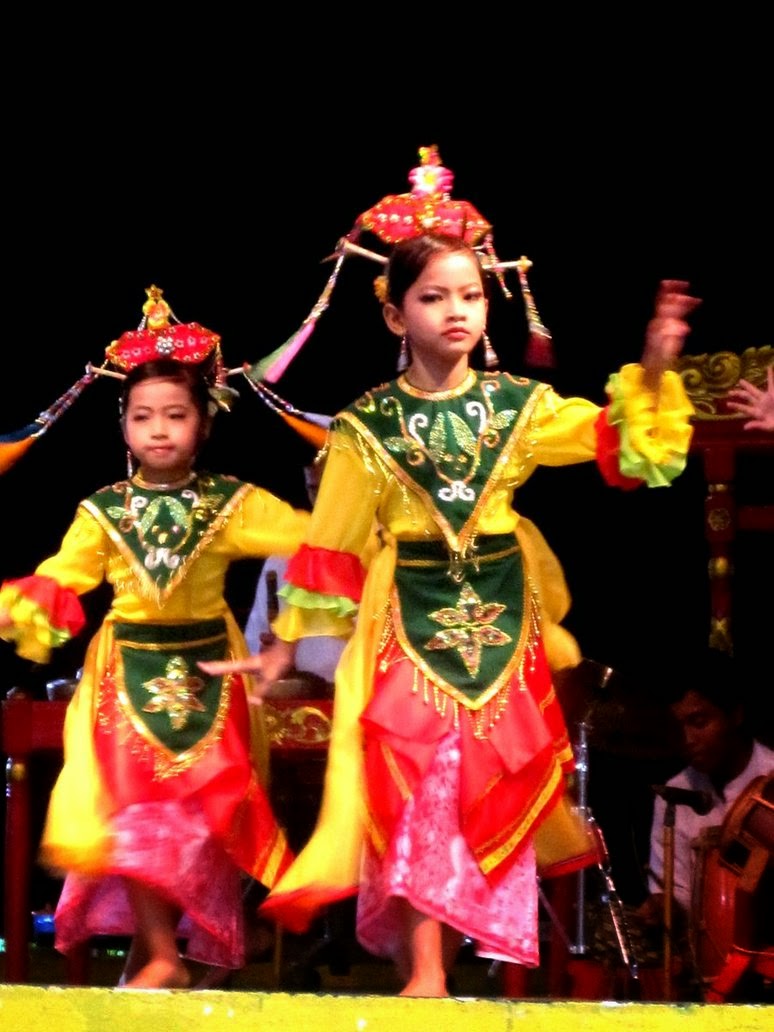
468, 628
175, 693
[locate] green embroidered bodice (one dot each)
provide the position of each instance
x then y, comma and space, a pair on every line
159, 532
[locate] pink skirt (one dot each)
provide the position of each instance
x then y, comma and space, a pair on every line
429, 864
168, 847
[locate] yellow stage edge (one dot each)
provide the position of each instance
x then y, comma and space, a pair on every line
65, 1009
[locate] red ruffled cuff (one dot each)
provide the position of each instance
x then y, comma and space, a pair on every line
608, 451
62, 605
327, 572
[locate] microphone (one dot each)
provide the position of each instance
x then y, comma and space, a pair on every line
698, 800
272, 598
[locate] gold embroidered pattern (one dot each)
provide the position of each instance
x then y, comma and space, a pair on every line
468, 628
133, 734
199, 527
453, 447
175, 693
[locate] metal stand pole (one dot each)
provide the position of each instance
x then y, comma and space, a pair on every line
582, 770
669, 882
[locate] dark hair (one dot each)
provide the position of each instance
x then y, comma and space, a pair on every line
409, 258
712, 674
190, 375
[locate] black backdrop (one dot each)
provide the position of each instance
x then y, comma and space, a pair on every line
228, 188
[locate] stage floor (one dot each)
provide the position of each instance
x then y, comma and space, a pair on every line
360, 996
27, 1008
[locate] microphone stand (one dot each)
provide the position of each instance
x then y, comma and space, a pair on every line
669, 882
582, 771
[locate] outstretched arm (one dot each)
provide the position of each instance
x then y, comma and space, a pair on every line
667, 329
264, 667
755, 403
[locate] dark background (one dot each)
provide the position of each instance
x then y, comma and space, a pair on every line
222, 162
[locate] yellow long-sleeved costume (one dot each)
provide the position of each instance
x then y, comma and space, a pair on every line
163, 733
377, 450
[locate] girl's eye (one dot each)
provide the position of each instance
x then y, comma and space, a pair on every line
429, 298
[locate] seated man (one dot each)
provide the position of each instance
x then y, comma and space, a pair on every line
724, 758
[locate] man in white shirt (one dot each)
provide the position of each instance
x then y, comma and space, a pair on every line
317, 656
724, 759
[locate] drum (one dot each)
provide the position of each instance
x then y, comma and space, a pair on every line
747, 838
732, 899
711, 923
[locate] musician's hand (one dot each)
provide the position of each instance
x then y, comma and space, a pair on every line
264, 668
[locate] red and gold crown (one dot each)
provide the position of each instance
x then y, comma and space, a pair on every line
161, 335
428, 208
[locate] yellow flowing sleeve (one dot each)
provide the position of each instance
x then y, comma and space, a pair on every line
265, 525
325, 579
642, 435
44, 607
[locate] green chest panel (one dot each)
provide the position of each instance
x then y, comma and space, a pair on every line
159, 532
447, 445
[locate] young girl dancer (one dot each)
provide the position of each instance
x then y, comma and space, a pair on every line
161, 803
445, 787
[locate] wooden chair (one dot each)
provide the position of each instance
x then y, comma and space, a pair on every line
720, 439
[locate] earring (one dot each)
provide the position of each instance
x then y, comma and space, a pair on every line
403, 355
491, 361
129, 464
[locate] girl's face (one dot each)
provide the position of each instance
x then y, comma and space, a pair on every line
443, 314
162, 428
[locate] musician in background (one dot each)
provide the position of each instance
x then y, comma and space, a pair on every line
724, 757
315, 656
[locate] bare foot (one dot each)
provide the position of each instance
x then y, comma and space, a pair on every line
425, 987
161, 974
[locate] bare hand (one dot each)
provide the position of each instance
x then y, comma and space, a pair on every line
667, 329
755, 403
264, 667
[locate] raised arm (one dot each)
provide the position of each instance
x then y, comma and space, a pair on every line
667, 329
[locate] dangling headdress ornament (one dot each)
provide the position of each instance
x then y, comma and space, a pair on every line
428, 207
160, 334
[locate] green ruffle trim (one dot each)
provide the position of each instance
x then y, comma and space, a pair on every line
339, 605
